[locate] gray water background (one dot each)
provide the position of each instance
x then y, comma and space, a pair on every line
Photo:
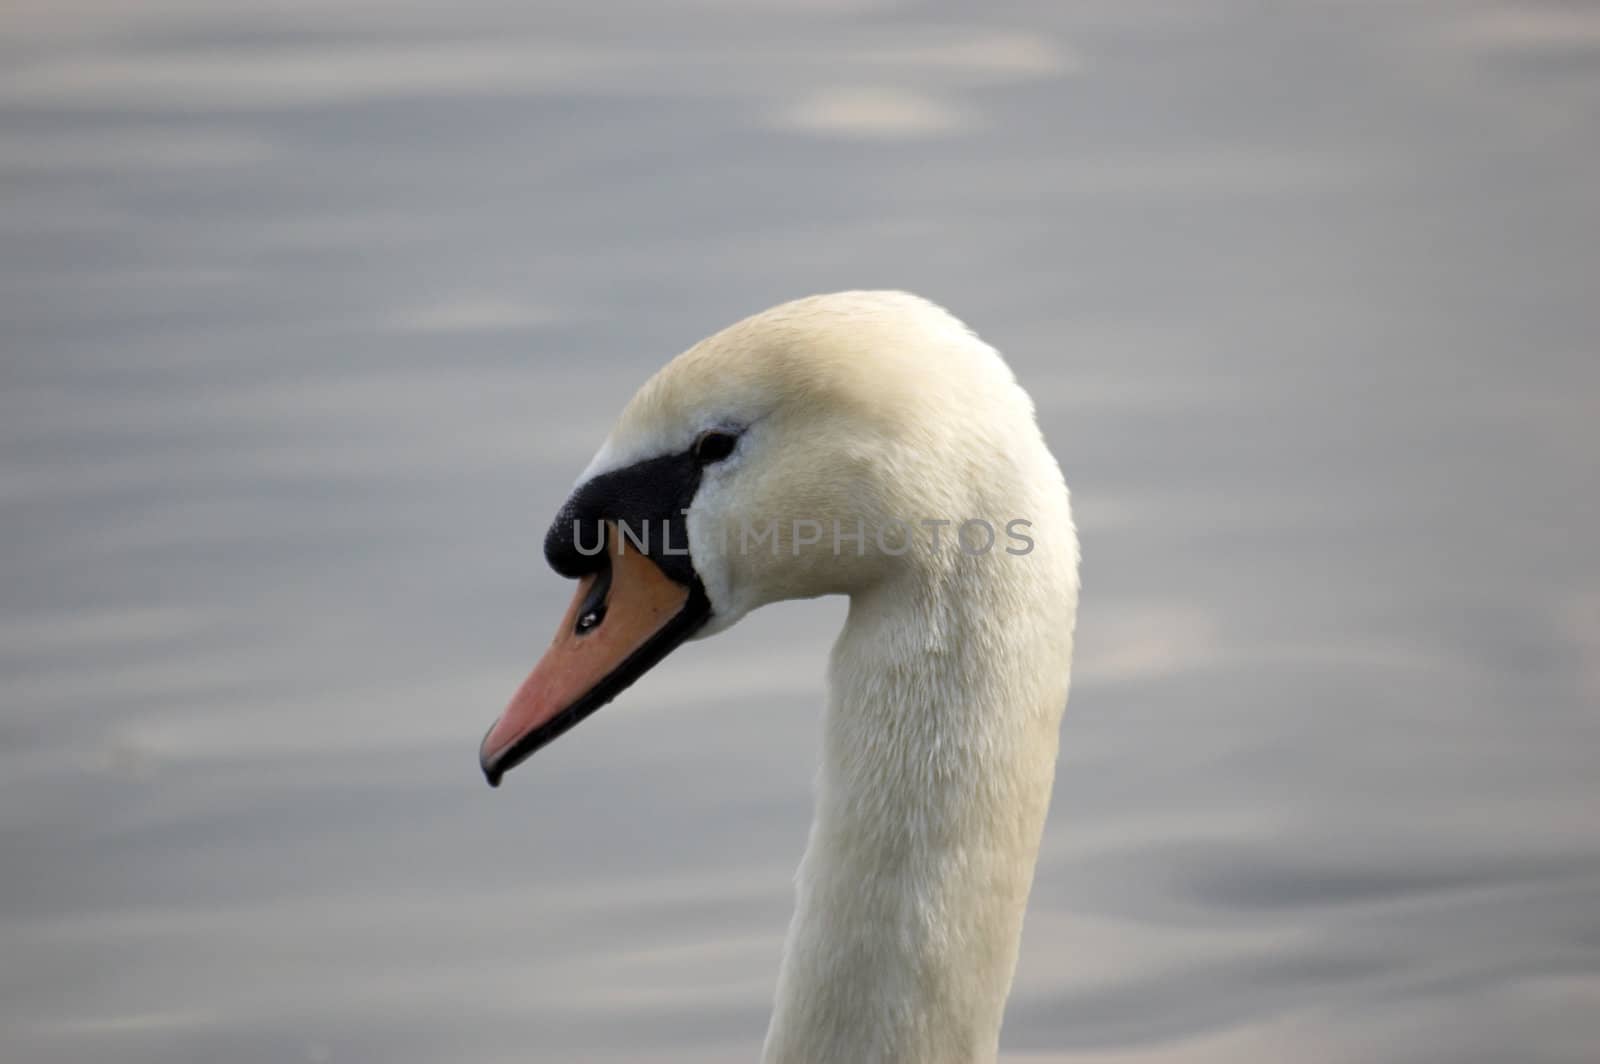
312, 311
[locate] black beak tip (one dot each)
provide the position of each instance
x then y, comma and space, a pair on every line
493, 768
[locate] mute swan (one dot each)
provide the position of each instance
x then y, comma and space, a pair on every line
811, 450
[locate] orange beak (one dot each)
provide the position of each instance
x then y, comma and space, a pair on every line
624, 618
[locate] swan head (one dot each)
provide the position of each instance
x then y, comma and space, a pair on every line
808, 450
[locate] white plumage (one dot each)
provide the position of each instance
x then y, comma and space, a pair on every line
947, 684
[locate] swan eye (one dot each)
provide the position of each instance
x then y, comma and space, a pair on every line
713, 446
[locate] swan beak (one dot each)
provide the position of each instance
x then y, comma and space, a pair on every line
624, 619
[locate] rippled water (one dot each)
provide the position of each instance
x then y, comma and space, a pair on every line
312, 311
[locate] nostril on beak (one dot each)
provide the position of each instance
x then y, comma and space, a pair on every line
592, 611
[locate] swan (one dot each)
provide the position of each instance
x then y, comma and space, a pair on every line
857, 443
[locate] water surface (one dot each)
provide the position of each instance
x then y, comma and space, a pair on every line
312, 312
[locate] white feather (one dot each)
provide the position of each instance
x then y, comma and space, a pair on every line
947, 684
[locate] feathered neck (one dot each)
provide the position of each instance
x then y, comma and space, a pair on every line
939, 747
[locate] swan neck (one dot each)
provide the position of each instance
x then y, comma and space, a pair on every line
939, 749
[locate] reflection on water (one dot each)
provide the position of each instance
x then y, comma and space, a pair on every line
312, 313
